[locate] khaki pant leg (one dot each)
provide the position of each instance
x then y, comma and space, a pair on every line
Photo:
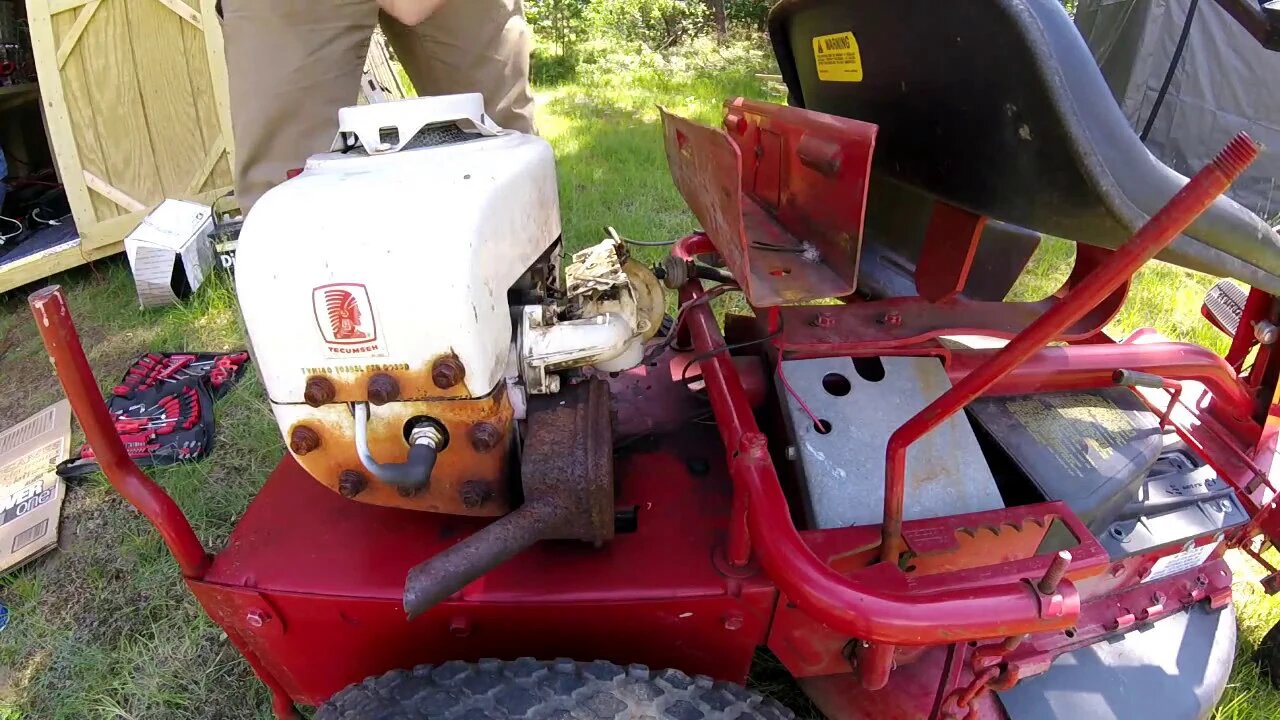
291, 64
471, 46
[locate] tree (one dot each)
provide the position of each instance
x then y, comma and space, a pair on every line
720, 17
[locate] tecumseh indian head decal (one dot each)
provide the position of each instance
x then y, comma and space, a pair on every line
345, 318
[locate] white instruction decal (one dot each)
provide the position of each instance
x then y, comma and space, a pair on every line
1180, 562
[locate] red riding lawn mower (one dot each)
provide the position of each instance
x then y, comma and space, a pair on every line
925, 501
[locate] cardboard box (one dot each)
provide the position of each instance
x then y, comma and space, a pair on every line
169, 252
31, 493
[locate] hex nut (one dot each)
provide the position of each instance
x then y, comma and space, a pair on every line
351, 483
303, 440
319, 391
447, 372
383, 389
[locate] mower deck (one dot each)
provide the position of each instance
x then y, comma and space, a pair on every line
305, 567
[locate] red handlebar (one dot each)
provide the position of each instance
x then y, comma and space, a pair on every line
59, 335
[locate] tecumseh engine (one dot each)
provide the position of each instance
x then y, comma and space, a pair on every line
404, 301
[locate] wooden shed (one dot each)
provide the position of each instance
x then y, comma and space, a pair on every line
133, 106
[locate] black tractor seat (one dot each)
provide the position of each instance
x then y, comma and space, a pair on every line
998, 107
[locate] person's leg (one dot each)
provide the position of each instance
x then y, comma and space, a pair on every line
291, 65
471, 46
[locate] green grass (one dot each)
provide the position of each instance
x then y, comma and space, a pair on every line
104, 628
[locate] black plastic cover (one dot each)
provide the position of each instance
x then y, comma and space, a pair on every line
1091, 450
1180, 502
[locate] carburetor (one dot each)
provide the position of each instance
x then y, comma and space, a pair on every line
402, 297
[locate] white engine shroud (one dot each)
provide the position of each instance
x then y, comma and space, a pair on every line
397, 254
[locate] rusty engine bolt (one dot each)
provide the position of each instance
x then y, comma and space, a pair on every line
351, 483
823, 320
383, 389
319, 391
485, 436
405, 491
303, 440
893, 318
447, 372
475, 493
1048, 584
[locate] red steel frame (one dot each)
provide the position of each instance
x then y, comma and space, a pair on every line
307, 574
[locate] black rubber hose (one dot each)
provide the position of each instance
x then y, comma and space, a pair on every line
1173, 68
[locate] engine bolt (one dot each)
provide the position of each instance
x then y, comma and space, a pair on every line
733, 620
1048, 584
893, 318
475, 493
460, 627
256, 618
351, 483
405, 491
319, 391
303, 440
447, 372
485, 436
383, 389
824, 320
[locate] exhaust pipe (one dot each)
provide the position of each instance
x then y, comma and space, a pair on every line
567, 474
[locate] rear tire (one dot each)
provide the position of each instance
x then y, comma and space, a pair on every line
557, 690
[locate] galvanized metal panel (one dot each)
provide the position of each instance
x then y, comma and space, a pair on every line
843, 469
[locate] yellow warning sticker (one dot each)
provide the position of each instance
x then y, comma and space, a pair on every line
838, 58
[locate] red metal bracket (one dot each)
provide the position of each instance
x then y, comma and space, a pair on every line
950, 242
782, 195
882, 325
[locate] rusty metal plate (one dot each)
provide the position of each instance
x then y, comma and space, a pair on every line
468, 479
861, 406
782, 196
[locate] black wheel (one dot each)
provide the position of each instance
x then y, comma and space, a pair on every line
557, 690
1268, 655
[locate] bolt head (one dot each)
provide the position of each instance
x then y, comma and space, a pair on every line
893, 318
383, 389
733, 620
460, 627
485, 436
1265, 332
447, 372
351, 483
256, 618
303, 440
319, 391
475, 493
